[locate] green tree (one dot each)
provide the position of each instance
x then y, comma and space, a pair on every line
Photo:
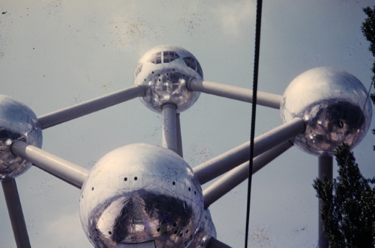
348, 210
368, 30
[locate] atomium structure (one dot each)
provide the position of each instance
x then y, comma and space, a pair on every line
142, 195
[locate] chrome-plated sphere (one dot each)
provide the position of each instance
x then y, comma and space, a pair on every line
165, 71
333, 105
17, 122
205, 231
138, 193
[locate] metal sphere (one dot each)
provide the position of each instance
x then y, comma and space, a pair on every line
205, 231
165, 71
17, 122
334, 105
138, 193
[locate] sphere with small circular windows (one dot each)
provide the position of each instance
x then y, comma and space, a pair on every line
17, 122
140, 193
164, 71
334, 105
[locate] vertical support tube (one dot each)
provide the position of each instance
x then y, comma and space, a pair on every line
170, 127
179, 138
325, 170
15, 213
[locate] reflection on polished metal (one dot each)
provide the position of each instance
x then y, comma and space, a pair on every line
139, 193
165, 71
17, 122
205, 231
333, 105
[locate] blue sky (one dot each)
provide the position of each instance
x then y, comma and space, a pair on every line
57, 53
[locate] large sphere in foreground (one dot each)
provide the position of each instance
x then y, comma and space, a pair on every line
165, 71
138, 193
205, 232
17, 122
334, 106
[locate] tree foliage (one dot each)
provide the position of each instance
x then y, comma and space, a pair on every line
348, 210
368, 30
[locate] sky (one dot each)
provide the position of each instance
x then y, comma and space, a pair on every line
57, 53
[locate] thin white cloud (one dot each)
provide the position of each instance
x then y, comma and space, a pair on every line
234, 15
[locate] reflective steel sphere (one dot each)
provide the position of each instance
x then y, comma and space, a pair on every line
138, 193
205, 231
333, 105
17, 122
165, 71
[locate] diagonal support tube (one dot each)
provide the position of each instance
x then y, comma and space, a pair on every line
228, 160
234, 92
58, 167
17, 219
239, 174
91, 106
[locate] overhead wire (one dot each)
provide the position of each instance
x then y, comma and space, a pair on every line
253, 112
